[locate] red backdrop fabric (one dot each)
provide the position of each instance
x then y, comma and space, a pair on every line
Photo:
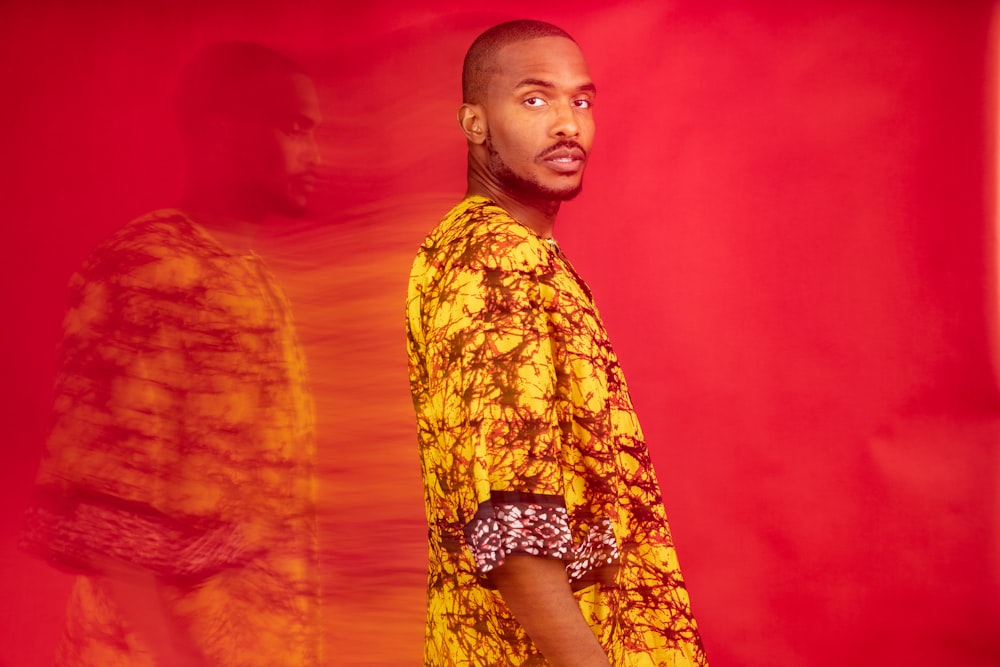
789, 226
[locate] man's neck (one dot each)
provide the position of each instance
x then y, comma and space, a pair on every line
535, 214
229, 203
226, 218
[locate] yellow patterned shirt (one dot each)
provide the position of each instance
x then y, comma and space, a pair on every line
529, 444
182, 444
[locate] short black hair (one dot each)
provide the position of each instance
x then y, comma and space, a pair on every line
231, 78
480, 60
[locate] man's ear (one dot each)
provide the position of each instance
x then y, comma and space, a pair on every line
473, 122
218, 135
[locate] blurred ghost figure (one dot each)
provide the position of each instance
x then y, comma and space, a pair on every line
178, 479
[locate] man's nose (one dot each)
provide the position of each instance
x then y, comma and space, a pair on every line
312, 156
566, 123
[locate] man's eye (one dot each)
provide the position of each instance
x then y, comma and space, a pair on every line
583, 103
296, 127
534, 102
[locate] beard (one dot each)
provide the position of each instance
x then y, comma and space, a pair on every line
256, 201
290, 204
516, 184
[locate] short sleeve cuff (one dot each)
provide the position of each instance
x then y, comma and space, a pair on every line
70, 534
526, 523
539, 525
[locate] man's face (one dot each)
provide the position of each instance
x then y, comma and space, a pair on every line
539, 117
280, 157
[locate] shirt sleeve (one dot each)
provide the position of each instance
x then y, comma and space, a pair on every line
508, 388
111, 481
69, 531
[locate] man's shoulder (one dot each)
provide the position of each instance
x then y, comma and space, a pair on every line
161, 232
154, 245
479, 216
477, 229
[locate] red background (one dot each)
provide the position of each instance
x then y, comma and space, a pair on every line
788, 223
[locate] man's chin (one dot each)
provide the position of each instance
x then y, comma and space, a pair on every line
566, 195
542, 193
561, 194
292, 207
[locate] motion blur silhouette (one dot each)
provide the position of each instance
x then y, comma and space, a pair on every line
178, 479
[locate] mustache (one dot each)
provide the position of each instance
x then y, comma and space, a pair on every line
566, 143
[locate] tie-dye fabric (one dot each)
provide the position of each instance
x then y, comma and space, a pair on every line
529, 444
182, 444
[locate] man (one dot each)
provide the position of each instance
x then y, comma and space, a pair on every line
178, 477
548, 539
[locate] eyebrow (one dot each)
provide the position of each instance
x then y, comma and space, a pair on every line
541, 83
312, 120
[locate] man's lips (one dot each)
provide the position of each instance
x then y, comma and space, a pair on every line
565, 159
306, 182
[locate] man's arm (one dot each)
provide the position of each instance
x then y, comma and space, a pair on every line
495, 311
139, 597
118, 424
537, 591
